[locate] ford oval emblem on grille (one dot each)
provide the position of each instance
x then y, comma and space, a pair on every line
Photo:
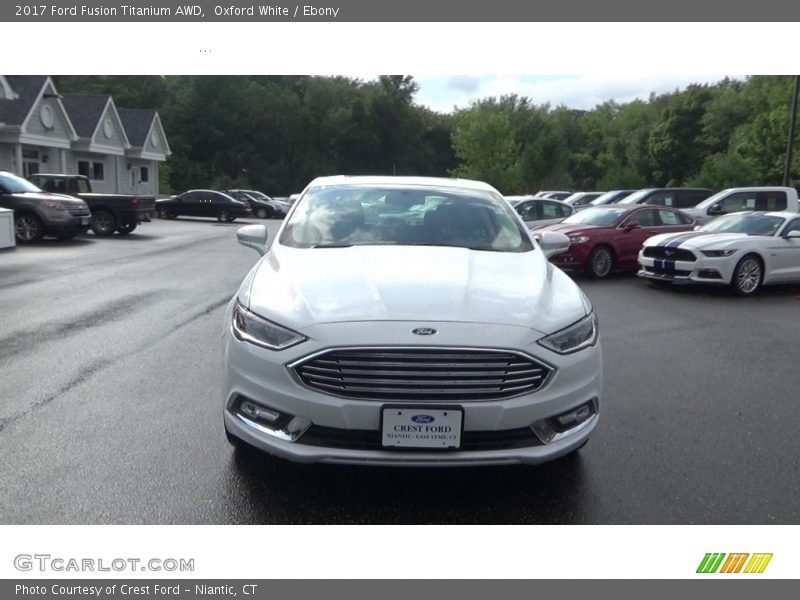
423, 419
423, 331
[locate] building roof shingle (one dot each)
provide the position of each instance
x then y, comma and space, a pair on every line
85, 110
137, 122
27, 87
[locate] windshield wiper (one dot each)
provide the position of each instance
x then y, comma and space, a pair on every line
330, 245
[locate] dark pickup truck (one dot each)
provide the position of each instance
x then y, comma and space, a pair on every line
110, 212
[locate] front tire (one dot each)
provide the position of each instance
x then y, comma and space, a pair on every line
261, 213
748, 275
223, 216
104, 223
601, 262
28, 228
126, 228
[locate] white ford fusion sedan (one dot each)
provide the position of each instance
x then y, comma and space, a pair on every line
409, 321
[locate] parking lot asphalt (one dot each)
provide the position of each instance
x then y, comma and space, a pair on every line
110, 408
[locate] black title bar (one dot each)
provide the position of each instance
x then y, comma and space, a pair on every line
403, 11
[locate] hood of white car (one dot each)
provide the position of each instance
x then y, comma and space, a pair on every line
302, 287
696, 239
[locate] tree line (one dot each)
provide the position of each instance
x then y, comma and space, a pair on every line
276, 133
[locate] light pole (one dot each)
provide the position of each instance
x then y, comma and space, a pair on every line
790, 142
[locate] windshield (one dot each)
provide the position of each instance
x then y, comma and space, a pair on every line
16, 185
597, 216
369, 215
710, 200
257, 195
635, 197
745, 223
607, 198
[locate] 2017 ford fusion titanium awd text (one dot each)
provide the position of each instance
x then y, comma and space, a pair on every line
409, 321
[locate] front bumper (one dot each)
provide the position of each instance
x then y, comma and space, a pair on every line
67, 225
346, 430
574, 259
717, 270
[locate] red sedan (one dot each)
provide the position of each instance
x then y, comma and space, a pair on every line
607, 238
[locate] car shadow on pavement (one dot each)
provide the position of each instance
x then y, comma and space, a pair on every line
278, 491
134, 237
53, 242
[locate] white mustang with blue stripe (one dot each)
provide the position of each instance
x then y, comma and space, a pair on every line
744, 250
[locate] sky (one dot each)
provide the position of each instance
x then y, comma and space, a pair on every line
575, 91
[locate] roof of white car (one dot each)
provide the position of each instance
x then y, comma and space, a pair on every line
389, 180
763, 188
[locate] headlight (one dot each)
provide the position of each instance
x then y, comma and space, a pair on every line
573, 338
578, 239
249, 327
54, 205
718, 253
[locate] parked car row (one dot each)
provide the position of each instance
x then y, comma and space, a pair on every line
64, 206
225, 206
700, 203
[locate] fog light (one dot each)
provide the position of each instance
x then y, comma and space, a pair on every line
575, 417
253, 411
269, 421
709, 274
558, 427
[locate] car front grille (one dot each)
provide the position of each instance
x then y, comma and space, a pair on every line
422, 374
78, 211
362, 439
664, 253
667, 272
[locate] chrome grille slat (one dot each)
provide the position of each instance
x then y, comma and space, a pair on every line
414, 374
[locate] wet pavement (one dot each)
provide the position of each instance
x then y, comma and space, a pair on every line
110, 408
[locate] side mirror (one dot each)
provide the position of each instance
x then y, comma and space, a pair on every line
253, 236
552, 242
633, 225
793, 235
715, 209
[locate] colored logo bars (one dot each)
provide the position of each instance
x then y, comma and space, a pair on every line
733, 563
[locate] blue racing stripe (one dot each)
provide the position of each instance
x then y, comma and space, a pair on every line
675, 242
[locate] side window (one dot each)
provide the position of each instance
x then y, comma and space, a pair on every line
527, 210
771, 201
793, 226
669, 218
551, 210
646, 218
564, 210
738, 202
662, 198
691, 198
190, 197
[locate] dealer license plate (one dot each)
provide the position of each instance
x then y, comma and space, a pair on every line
421, 427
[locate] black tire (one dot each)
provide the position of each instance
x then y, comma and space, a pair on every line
126, 228
748, 275
104, 223
601, 262
28, 228
223, 215
261, 213
164, 213
230, 219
